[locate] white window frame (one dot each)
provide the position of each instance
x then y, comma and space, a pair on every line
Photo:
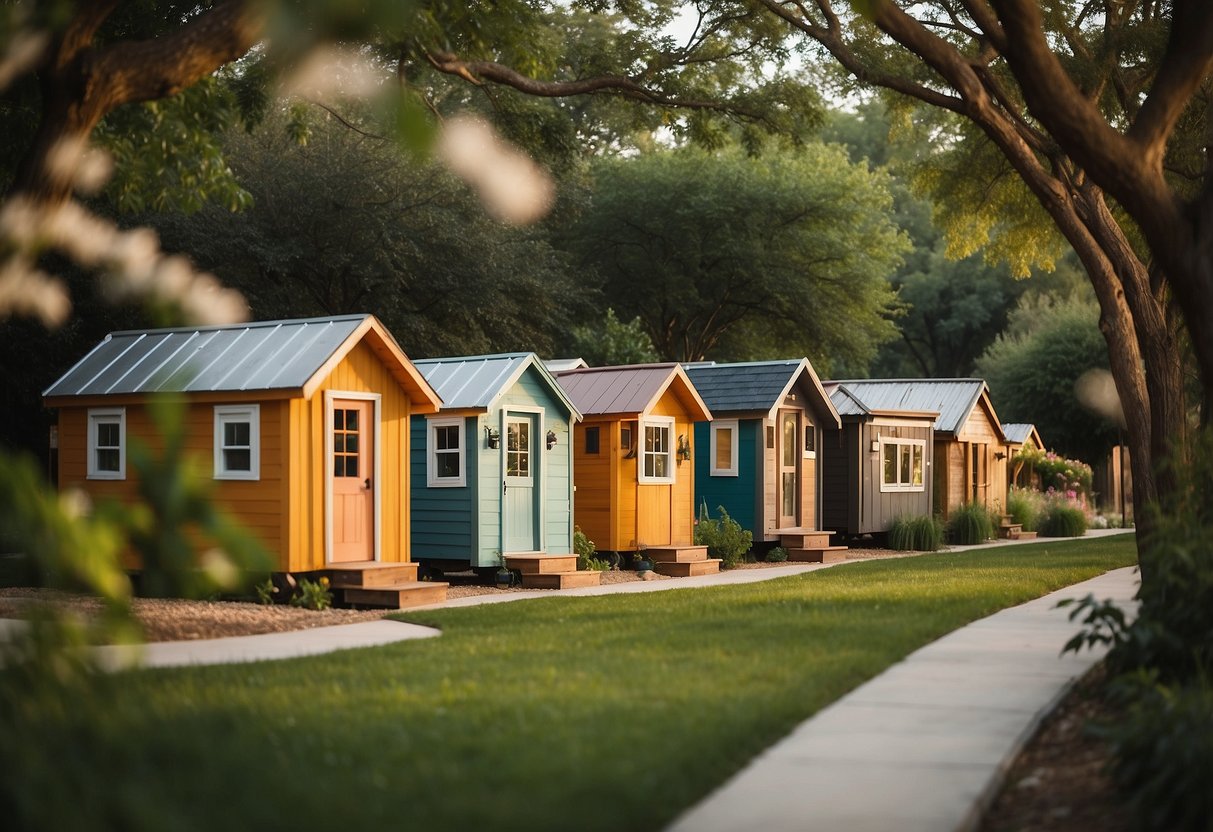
106, 415
921, 444
667, 423
250, 413
431, 453
719, 425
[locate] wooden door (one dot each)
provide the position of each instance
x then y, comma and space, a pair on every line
788, 470
353, 486
519, 507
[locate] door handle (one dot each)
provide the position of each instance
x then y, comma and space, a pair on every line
367, 483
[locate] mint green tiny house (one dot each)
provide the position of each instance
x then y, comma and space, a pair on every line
492, 470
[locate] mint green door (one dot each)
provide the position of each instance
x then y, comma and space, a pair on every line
520, 499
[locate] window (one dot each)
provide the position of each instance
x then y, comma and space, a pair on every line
591, 440
107, 444
901, 464
445, 468
238, 442
657, 450
518, 448
770, 437
723, 448
810, 441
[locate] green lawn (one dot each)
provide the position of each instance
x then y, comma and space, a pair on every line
591, 713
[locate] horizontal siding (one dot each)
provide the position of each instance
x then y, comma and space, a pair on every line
442, 526
737, 494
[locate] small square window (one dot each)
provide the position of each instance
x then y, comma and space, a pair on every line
445, 466
591, 440
237, 442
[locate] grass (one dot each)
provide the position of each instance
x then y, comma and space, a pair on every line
608, 713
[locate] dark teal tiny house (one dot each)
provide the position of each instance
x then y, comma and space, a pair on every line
492, 470
761, 445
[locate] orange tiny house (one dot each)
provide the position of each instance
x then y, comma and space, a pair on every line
633, 461
304, 424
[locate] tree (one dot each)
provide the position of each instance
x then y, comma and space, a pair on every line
722, 255
613, 342
1033, 368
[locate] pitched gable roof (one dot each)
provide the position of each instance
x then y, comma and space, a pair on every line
1018, 433
477, 382
291, 356
952, 398
630, 390
758, 386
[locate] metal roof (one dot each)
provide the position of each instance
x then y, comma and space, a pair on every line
287, 355
557, 365
1018, 433
755, 386
478, 381
626, 390
952, 398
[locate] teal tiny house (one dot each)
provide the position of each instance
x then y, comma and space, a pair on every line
761, 461
492, 470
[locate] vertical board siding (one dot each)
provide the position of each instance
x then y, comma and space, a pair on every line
886, 506
736, 494
442, 518
593, 498
682, 493
837, 478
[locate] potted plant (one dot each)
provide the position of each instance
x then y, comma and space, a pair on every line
641, 561
504, 577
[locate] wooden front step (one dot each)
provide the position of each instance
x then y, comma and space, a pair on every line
676, 554
561, 580
686, 569
372, 573
541, 564
1026, 535
1010, 531
819, 554
397, 596
803, 539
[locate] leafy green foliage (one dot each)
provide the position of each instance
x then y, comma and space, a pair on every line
720, 254
584, 549
371, 724
313, 595
1062, 518
916, 533
724, 538
1056, 473
613, 343
1026, 506
777, 554
969, 523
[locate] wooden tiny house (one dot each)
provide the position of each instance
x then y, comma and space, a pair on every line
761, 462
1021, 436
492, 471
634, 460
971, 452
302, 423
876, 465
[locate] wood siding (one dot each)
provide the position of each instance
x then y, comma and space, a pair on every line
975, 448
443, 519
878, 509
596, 484
740, 495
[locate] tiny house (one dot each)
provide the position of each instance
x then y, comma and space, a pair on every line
762, 461
876, 466
634, 459
970, 453
493, 470
303, 425
1021, 436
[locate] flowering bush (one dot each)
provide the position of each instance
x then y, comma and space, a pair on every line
1058, 473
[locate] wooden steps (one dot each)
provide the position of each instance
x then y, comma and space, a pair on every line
1010, 530
391, 585
682, 561
810, 546
540, 571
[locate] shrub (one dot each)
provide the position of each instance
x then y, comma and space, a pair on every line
1025, 505
969, 524
1063, 519
777, 555
724, 538
313, 595
920, 533
583, 547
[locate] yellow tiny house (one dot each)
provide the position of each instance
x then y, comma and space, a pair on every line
633, 461
304, 425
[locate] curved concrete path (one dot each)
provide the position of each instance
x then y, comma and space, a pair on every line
925, 745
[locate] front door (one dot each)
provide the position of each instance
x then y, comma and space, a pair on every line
353, 481
788, 452
519, 501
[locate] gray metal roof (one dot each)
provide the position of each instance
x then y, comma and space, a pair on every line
1018, 432
952, 398
632, 389
477, 381
754, 386
557, 365
268, 355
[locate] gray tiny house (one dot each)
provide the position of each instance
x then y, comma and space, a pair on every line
876, 466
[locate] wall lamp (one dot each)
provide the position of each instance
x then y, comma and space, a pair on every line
684, 448
492, 437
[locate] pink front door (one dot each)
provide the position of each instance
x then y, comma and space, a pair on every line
353, 481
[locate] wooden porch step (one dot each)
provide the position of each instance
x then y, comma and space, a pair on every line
397, 596
541, 564
686, 569
818, 554
803, 538
372, 573
561, 580
677, 554
1027, 535
1010, 531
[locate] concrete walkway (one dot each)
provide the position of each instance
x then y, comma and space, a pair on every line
924, 745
